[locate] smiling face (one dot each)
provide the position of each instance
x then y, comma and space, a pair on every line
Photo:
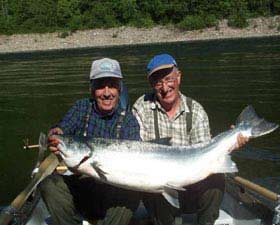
106, 92
166, 84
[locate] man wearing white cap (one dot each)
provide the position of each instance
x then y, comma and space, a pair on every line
70, 199
168, 113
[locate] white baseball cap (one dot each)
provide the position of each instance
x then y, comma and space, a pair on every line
105, 68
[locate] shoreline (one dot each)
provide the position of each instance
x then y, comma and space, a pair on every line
259, 27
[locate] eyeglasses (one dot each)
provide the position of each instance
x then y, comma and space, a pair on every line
158, 84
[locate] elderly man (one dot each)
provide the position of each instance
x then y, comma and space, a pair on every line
169, 113
69, 199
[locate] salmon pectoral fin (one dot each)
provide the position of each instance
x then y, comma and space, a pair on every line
171, 195
174, 186
101, 173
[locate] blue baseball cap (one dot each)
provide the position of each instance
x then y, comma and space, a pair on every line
159, 62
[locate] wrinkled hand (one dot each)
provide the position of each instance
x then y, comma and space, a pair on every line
241, 141
53, 141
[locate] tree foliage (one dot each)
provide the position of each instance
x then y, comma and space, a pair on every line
23, 16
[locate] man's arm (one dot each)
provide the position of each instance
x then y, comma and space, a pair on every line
139, 110
74, 117
200, 131
67, 125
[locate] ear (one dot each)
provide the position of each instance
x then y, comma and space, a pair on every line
92, 92
150, 82
120, 86
179, 74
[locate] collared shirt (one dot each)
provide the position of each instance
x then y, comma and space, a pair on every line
74, 122
176, 129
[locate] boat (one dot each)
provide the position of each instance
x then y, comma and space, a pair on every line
244, 203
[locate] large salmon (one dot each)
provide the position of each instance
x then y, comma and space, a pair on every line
151, 167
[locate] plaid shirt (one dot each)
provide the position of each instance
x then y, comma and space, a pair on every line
176, 128
74, 122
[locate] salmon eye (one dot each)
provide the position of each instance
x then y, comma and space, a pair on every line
71, 140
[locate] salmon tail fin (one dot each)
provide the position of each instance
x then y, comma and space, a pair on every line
258, 126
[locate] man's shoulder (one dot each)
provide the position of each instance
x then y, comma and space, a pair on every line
144, 104
129, 117
129, 125
194, 102
145, 99
197, 106
82, 101
198, 111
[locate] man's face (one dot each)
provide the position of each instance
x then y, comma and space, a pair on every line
106, 93
166, 84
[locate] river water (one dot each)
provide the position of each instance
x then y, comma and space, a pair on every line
36, 89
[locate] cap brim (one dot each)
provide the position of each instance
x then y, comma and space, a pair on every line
103, 75
166, 66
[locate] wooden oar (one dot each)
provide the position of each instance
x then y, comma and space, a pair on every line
61, 168
46, 168
257, 188
27, 146
30, 146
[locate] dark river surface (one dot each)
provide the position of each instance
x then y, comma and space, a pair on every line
36, 90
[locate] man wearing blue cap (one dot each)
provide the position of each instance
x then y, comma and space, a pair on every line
168, 113
70, 199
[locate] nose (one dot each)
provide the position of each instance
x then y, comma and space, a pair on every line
106, 91
164, 87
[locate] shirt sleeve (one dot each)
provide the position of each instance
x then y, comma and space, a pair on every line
138, 110
200, 131
130, 128
71, 120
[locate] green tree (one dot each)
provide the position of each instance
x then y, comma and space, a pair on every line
259, 7
239, 14
4, 16
69, 15
50, 15
36, 15
125, 10
156, 9
97, 14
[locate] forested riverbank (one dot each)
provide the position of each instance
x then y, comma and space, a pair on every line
259, 27
58, 24
33, 16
